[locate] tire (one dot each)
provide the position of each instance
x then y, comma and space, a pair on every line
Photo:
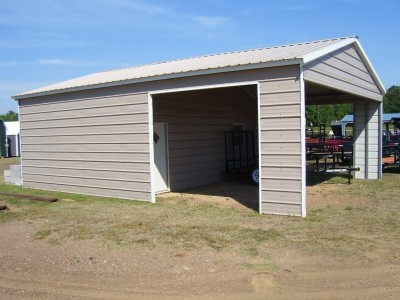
254, 175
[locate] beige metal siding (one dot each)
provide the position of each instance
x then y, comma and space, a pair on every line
367, 146
197, 121
95, 145
280, 122
344, 70
367, 153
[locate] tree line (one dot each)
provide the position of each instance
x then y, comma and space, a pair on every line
10, 116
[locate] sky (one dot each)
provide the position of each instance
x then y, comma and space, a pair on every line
49, 41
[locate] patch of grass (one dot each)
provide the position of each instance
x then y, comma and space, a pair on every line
370, 219
42, 234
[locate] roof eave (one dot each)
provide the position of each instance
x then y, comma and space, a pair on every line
260, 65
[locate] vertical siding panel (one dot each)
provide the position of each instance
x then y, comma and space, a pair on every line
374, 144
359, 137
280, 127
367, 140
83, 146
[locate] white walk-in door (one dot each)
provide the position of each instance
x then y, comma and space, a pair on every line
161, 173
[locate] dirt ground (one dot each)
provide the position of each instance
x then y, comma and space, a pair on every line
82, 270
34, 269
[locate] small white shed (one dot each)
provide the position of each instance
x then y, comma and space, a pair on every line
12, 132
134, 132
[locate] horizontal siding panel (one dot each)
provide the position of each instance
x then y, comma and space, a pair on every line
293, 160
373, 175
276, 172
195, 143
89, 139
280, 135
275, 111
131, 157
194, 118
201, 151
373, 168
281, 209
284, 148
281, 98
84, 173
88, 182
102, 192
89, 148
118, 128
190, 159
373, 126
84, 121
281, 197
360, 154
372, 161
120, 166
132, 109
283, 123
284, 85
56, 104
281, 184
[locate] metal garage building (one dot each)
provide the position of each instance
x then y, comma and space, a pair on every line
134, 132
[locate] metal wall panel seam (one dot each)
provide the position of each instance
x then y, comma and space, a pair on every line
259, 148
151, 148
89, 186
20, 146
380, 116
303, 142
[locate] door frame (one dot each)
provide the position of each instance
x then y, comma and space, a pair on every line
167, 158
185, 89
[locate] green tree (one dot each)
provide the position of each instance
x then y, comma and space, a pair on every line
10, 116
327, 113
391, 101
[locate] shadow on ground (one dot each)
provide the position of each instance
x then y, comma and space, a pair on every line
237, 188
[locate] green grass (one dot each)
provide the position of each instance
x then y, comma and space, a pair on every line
370, 220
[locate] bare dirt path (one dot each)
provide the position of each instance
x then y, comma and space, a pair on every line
83, 270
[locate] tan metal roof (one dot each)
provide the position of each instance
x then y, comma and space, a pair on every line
264, 57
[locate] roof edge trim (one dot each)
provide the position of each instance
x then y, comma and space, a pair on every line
269, 64
328, 49
369, 65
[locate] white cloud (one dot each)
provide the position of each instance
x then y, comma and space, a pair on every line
66, 62
7, 64
209, 22
142, 7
